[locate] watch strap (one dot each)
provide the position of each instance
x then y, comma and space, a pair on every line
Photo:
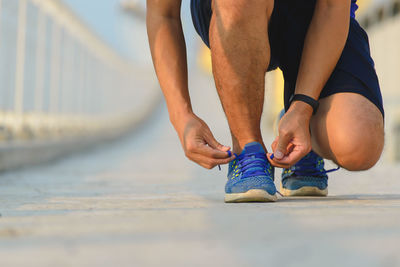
306, 99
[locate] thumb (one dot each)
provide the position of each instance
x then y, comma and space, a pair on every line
212, 142
281, 146
274, 143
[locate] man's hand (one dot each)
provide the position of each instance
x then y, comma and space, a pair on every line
294, 140
200, 145
320, 55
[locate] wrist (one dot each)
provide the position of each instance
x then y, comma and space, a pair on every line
314, 104
180, 117
302, 109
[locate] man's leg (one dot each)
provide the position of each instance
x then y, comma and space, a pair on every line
240, 55
349, 130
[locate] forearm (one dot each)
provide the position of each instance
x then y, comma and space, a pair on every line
323, 46
168, 51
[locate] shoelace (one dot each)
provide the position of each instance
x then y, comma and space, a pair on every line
252, 164
307, 167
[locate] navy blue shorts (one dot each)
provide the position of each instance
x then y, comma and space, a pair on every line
354, 72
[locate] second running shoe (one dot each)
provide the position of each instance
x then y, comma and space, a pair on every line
306, 178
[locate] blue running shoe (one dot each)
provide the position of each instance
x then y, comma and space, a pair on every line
306, 178
250, 177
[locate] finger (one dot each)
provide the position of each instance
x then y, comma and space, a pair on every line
216, 162
212, 142
290, 147
275, 163
292, 158
211, 163
281, 147
226, 148
201, 160
212, 153
274, 143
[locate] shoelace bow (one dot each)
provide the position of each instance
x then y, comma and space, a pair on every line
307, 167
252, 164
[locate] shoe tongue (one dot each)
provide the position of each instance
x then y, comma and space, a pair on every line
253, 147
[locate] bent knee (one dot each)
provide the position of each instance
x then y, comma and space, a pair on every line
358, 161
350, 130
234, 12
362, 153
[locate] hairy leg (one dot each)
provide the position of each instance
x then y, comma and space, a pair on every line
349, 130
240, 57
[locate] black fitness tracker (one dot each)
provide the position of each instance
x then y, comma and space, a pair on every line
306, 99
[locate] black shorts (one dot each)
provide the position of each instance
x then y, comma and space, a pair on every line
354, 72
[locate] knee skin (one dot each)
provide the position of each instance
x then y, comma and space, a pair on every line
349, 130
359, 150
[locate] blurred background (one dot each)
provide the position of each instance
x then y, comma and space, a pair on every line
72, 73
77, 74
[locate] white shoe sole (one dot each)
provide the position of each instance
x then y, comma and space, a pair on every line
253, 195
305, 191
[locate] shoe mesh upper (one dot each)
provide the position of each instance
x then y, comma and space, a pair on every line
250, 170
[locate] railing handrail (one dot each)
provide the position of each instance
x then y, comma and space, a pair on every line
75, 25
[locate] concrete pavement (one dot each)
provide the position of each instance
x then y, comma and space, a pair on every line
138, 202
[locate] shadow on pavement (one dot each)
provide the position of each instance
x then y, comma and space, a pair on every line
361, 197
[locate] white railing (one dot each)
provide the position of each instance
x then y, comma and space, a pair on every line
57, 78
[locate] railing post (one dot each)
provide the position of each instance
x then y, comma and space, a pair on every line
55, 68
1, 40
40, 61
20, 62
82, 79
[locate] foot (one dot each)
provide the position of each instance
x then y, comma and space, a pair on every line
250, 177
305, 178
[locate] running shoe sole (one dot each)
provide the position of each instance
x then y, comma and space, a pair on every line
253, 195
305, 191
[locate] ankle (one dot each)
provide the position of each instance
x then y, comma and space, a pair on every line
238, 145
